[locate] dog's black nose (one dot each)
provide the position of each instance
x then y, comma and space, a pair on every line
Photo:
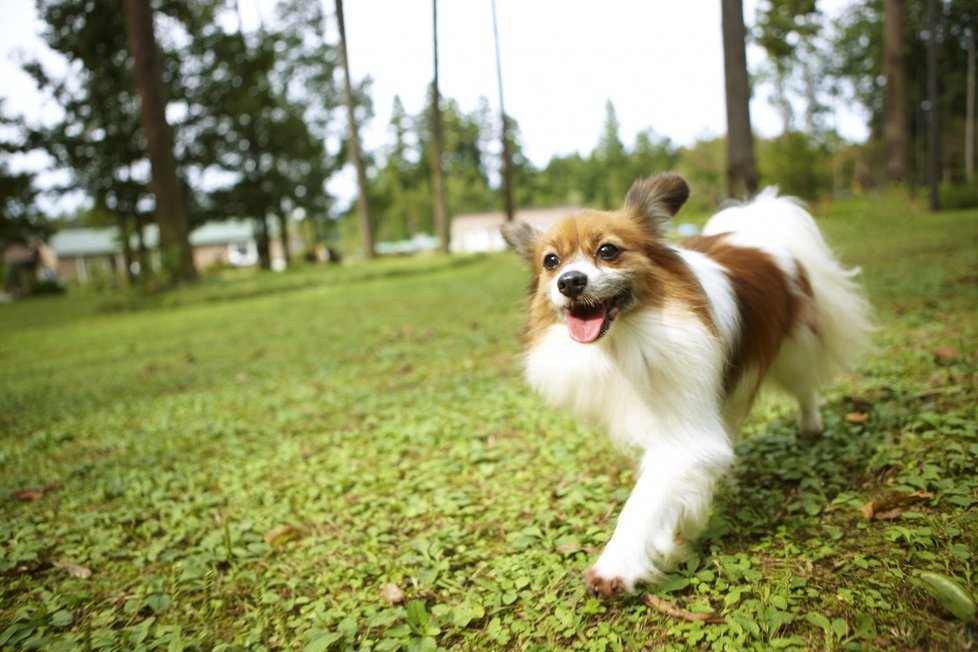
571, 284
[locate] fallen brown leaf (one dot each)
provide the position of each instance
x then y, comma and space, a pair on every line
282, 534
856, 417
945, 355
75, 570
889, 515
28, 495
892, 507
669, 609
392, 594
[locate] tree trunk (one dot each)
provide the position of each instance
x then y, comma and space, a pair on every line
437, 145
126, 244
809, 74
283, 224
934, 115
263, 240
353, 140
142, 252
894, 116
507, 161
177, 255
742, 178
969, 124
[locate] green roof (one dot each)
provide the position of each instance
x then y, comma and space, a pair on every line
105, 242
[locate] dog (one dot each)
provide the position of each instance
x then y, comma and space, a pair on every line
666, 346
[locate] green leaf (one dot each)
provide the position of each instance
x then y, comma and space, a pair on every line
62, 618
158, 602
950, 595
417, 615
733, 597
866, 627
322, 642
16, 632
467, 612
840, 628
819, 620
672, 583
961, 551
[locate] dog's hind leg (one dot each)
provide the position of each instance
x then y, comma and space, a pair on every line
796, 371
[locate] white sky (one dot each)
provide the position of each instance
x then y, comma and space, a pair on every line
660, 63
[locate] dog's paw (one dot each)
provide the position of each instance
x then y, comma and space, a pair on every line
605, 587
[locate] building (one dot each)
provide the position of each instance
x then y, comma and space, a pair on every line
83, 255
479, 232
226, 243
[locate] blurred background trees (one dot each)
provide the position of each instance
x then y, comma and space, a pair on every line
259, 125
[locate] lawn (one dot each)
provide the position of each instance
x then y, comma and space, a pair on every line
347, 458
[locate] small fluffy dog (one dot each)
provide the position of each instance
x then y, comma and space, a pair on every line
666, 346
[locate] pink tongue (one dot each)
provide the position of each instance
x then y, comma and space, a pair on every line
585, 324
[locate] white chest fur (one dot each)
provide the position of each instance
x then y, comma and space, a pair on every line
656, 373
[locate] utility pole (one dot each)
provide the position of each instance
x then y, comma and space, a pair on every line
507, 163
437, 175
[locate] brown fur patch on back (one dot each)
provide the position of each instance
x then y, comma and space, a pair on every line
771, 304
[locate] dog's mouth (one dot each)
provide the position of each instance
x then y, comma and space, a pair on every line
588, 320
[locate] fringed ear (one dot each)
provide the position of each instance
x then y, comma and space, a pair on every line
521, 236
657, 199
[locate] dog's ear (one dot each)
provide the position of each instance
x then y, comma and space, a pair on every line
657, 198
521, 236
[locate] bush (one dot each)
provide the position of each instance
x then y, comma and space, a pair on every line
955, 196
796, 165
46, 288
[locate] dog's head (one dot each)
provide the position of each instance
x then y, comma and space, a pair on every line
591, 267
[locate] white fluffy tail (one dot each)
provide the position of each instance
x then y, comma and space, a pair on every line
781, 224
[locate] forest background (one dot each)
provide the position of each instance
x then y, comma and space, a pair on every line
259, 124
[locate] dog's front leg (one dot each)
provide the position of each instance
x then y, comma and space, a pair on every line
671, 499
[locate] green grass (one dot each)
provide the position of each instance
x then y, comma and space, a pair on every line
247, 464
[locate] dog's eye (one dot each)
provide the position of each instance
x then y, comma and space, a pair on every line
608, 251
550, 261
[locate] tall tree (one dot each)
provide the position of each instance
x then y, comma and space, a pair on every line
894, 118
437, 145
96, 137
610, 162
353, 142
860, 64
934, 108
965, 13
742, 178
395, 187
170, 209
507, 182
19, 216
788, 30
402, 191
969, 128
